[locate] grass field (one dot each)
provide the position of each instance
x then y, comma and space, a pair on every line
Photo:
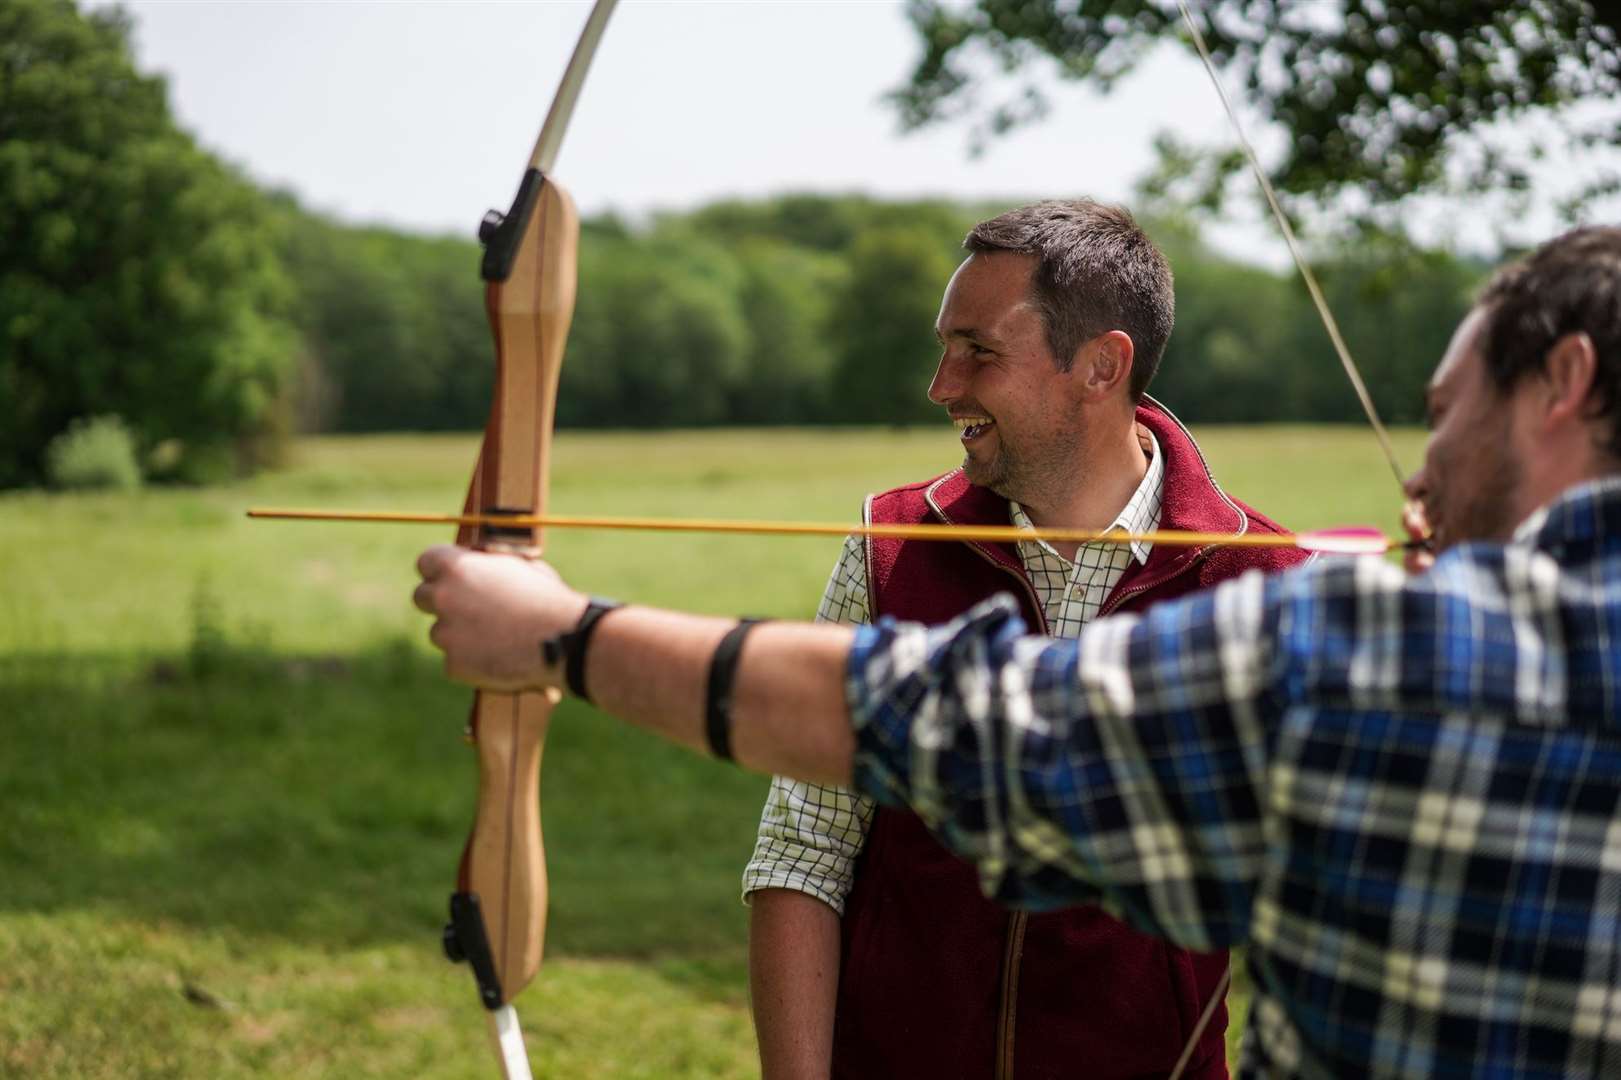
233, 791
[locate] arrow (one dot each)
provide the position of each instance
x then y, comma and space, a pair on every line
1344, 540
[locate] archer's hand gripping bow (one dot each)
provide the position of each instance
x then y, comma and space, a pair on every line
498, 912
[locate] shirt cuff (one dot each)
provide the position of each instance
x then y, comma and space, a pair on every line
779, 877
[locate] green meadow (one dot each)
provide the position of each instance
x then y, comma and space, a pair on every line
233, 789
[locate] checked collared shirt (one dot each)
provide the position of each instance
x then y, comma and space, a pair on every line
1402, 793
811, 834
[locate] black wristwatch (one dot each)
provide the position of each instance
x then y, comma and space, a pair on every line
569, 647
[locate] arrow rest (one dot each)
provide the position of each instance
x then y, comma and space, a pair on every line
495, 536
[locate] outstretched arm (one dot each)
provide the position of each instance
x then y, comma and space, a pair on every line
647, 666
1127, 766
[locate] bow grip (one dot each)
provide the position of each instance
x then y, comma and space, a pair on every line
498, 913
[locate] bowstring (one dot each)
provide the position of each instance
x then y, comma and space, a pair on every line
1329, 322
1340, 348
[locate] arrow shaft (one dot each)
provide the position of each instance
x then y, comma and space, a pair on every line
1369, 541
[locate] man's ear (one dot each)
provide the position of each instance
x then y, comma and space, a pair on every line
1104, 363
1569, 371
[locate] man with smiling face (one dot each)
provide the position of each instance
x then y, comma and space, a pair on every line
1401, 790
872, 951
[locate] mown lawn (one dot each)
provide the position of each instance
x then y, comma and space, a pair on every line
233, 790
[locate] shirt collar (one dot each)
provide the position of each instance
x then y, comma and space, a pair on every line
1140, 514
1585, 512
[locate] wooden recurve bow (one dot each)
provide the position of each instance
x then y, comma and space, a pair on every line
498, 912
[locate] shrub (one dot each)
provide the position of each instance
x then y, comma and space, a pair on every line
98, 452
206, 464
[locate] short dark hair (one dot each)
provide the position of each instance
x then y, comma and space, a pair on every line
1096, 271
1569, 285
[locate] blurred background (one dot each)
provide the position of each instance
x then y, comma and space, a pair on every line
237, 267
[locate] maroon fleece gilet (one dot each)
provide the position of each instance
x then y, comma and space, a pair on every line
937, 981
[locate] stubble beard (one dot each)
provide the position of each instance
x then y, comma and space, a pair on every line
1491, 514
1017, 478
1488, 512
992, 474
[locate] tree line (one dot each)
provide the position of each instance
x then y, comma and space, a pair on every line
163, 317
820, 310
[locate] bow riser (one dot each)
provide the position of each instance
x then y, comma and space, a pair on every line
529, 313
499, 912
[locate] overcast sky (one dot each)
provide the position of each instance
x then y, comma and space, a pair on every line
421, 114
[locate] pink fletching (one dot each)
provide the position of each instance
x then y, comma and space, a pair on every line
1350, 540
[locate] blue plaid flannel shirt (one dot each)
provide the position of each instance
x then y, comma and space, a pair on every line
1403, 794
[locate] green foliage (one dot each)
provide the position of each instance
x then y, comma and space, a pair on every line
143, 279
659, 336
206, 655
1380, 99
806, 309
94, 453
721, 316
828, 223
393, 326
137, 276
148, 281
786, 296
216, 653
884, 323
1397, 306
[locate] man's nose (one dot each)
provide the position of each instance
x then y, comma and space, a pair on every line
950, 379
